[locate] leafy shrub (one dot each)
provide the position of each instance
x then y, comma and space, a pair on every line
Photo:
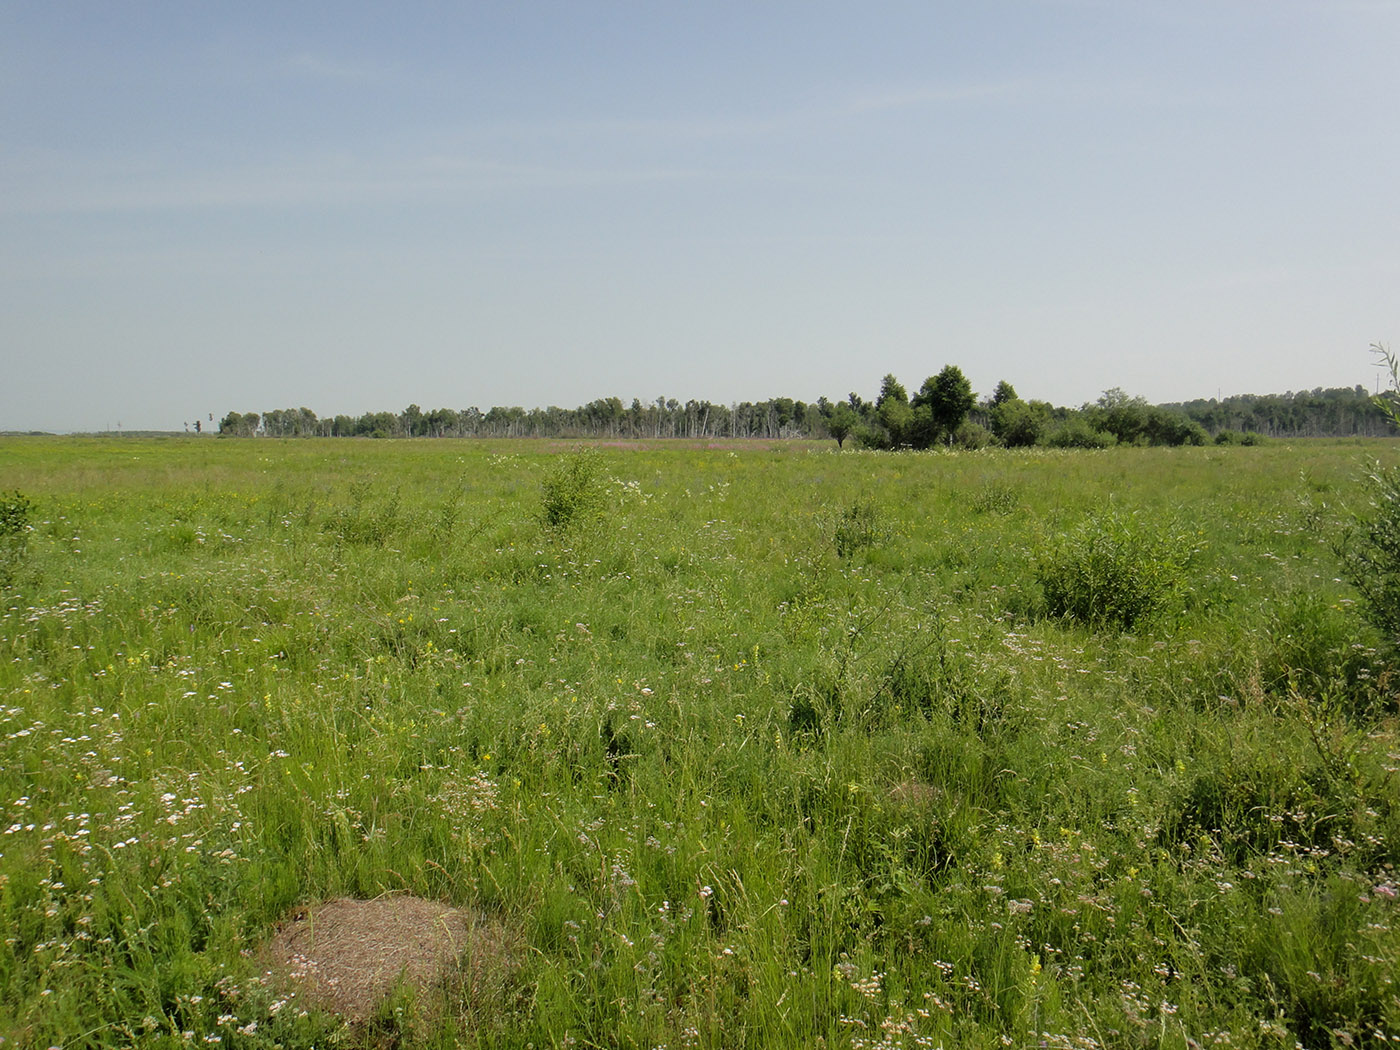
1370, 551
366, 519
1163, 427
995, 497
1076, 432
1019, 424
972, 436
857, 528
573, 489
14, 533
1113, 571
939, 681
1313, 647
871, 438
14, 514
1250, 802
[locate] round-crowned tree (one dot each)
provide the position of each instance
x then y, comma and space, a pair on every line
948, 398
893, 411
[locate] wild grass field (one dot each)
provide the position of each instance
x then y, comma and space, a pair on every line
720, 747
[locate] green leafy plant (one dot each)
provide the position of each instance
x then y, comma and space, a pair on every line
14, 533
1369, 549
1113, 570
573, 489
367, 518
857, 528
1077, 432
972, 436
1312, 647
996, 497
14, 514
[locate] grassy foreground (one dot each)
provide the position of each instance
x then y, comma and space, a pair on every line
750, 747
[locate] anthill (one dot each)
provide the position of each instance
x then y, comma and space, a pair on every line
348, 956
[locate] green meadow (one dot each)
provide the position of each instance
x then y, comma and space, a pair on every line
751, 745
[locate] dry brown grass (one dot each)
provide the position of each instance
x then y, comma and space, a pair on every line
348, 956
915, 794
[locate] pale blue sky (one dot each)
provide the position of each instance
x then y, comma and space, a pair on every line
355, 207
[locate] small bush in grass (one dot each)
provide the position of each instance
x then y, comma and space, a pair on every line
573, 489
1113, 571
366, 519
857, 528
996, 497
14, 514
1370, 551
14, 533
1312, 646
1252, 802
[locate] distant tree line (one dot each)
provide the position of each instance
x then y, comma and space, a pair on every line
1337, 412
779, 417
944, 411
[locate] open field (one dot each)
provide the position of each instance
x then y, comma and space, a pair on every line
750, 746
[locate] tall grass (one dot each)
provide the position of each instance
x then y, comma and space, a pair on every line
757, 748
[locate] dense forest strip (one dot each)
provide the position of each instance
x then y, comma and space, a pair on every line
1002, 418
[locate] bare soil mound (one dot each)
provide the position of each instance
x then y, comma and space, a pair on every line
348, 955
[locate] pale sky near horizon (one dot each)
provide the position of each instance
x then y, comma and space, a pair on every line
355, 207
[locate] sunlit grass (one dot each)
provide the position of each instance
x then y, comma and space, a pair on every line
735, 778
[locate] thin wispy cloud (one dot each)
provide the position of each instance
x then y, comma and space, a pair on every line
321, 67
1349, 7
716, 127
337, 180
933, 95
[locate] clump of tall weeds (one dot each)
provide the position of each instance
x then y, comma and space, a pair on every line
14, 533
1369, 549
367, 519
574, 490
996, 497
857, 528
1114, 571
1369, 546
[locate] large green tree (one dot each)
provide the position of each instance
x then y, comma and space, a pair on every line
240, 424
1020, 424
1004, 392
893, 411
948, 397
841, 421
